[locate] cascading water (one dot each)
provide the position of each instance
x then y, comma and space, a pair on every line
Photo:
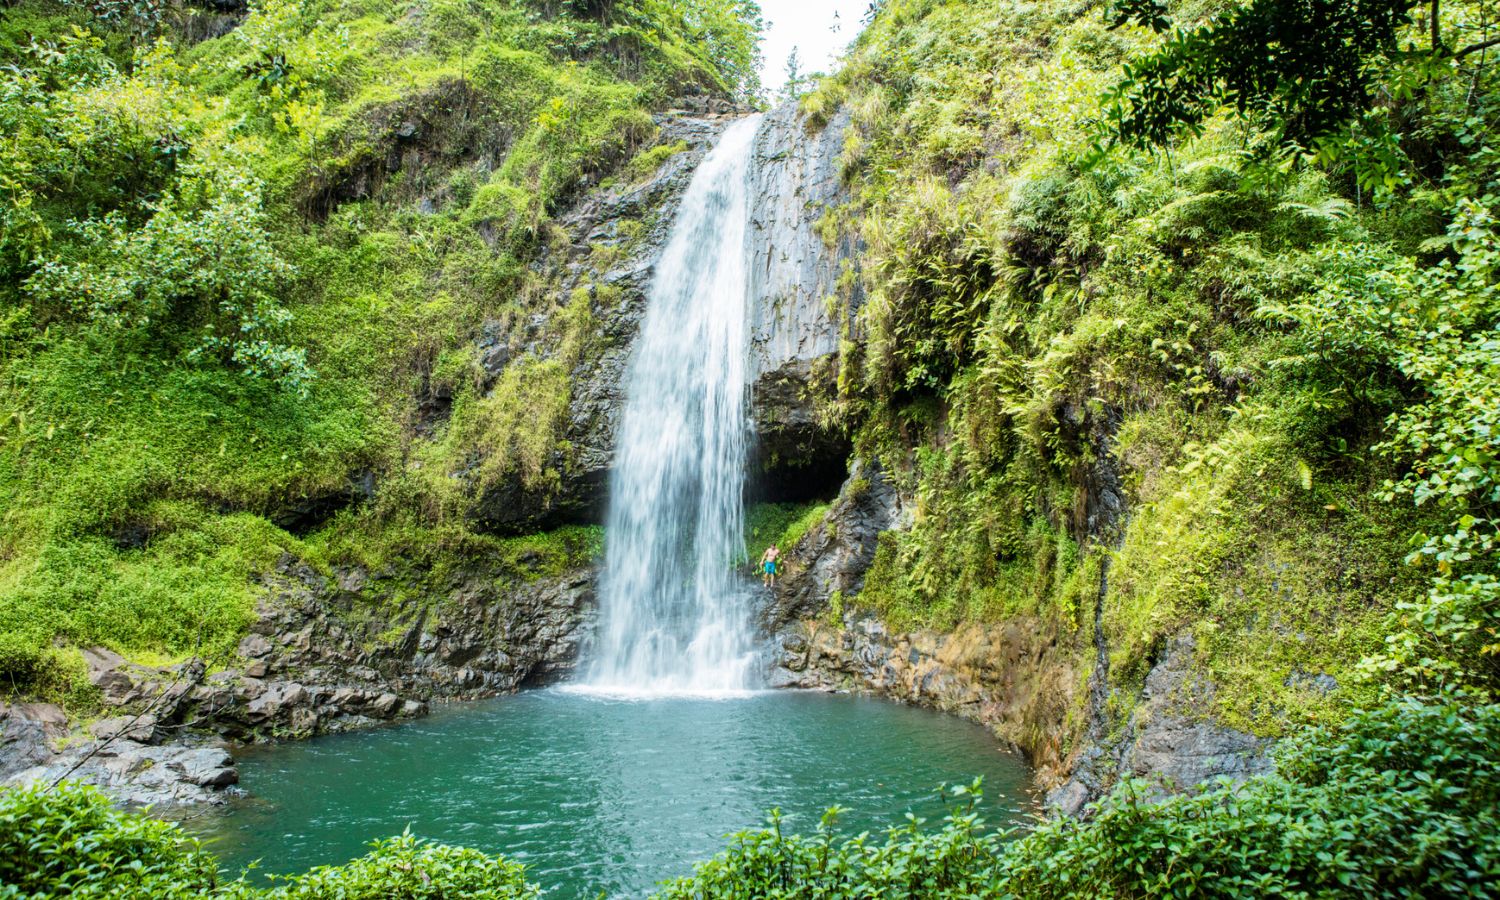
674, 614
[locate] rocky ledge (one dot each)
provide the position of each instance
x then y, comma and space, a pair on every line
325, 654
1013, 679
1024, 679
118, 755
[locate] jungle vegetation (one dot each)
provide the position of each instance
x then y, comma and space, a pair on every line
1241, 257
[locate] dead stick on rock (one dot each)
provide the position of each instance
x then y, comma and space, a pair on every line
130, 726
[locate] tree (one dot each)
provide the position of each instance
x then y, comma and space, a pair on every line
794, 78
1304, 68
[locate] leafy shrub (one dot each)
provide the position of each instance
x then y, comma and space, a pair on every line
1378, 318
203, 261
1400, 801
406, 868
71, 842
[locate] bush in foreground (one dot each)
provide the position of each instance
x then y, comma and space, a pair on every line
71, 842
1400, 801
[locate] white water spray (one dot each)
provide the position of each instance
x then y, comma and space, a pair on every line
674, 614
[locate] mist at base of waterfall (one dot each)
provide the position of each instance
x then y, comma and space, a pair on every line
674, 614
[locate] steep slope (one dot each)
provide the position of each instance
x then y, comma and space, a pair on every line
275, 282
1138, 507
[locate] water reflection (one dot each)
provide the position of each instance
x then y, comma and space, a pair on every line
601, 794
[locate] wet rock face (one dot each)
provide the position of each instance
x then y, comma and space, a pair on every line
1014, 678
835, 554
1171, 740
635, 220
1177, 746
794, 338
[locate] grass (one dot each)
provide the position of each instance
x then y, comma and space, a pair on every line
139, 487
782, 524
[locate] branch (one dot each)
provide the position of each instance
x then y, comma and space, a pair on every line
156, 704
1474, 48
182, 671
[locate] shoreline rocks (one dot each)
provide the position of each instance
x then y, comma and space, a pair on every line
317, 660
137, 774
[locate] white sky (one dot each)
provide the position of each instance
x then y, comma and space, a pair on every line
806, 25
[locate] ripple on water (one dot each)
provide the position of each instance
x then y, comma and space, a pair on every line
603, 793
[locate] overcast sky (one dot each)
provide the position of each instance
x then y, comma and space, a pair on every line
808, 26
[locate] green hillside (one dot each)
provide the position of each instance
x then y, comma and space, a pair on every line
235, 268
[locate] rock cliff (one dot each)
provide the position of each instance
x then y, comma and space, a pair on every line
615, 237
794, 281
1025, 678
325, 655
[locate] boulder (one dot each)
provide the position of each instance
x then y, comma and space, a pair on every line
835, 554
254, 646
27, 731
135, 774
107, 672
141, 729
209, 767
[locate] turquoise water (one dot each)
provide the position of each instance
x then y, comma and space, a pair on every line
597, 794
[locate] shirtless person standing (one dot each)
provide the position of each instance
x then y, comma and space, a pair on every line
768, 565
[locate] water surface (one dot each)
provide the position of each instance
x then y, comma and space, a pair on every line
598, 794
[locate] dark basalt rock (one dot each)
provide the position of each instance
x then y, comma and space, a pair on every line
1171, 740
116, 754
311, 667
27, 731
794, 338
835, 554
135, 774
598, 381
794, 276
325, 654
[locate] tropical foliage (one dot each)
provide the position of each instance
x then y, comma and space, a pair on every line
68, 841
1100, 247
1397, 802
220, 304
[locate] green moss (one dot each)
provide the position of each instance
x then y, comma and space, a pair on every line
647, 162
782, 524
395, 272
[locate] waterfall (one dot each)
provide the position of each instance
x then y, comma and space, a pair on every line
674, 612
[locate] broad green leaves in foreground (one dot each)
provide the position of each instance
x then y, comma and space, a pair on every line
1399, 802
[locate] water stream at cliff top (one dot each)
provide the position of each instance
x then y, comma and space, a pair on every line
674, 613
